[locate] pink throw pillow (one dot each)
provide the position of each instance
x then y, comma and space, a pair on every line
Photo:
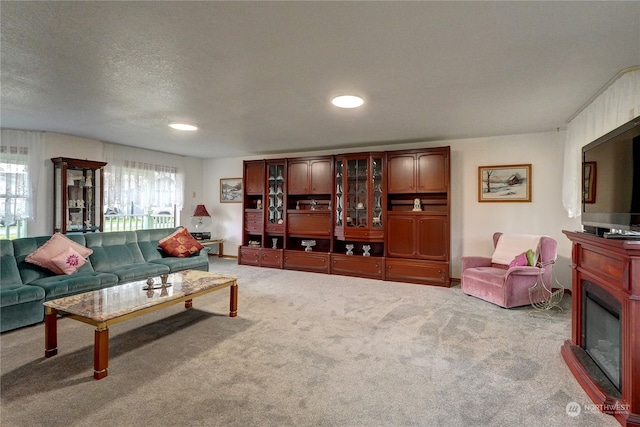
69, 261
180, 244
58, 243
519, 261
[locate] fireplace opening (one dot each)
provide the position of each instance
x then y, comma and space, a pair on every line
602, 331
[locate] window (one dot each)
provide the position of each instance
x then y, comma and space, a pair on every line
140, 195
20, 164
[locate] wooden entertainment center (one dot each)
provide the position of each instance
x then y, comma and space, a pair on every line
609, 269
381, 215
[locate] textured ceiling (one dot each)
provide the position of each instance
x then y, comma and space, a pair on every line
257, 77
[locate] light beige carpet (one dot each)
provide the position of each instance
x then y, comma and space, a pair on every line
305, 350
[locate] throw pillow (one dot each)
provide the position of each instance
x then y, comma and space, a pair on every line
54, 246
180, 244
531, 258
519, 261
69, 261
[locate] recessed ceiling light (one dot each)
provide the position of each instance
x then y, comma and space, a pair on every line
347, 101
183, 126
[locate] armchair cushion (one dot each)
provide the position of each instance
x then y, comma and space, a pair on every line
511, 245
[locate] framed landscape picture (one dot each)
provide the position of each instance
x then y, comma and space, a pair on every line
504, 183
230, 190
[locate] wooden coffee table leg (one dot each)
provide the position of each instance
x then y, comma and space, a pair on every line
233, 300
188, 303
101, 352
50, 332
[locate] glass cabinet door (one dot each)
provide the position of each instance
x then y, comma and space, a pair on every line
357, 200
376, 191
275, 194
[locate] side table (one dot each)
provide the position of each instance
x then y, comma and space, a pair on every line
219, 242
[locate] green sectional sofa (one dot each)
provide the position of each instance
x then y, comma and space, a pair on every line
117, 257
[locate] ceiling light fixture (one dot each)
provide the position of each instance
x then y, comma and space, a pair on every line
347, 101
183, 126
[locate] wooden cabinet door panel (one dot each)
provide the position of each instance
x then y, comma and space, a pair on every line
320, 177
249, 256
401, 174
355, 265
432, 233
417, 271
401, 236
309, 223
271, 258
432, 172
254, 178
298, 177
306, 261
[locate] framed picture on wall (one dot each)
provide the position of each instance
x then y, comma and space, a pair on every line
504, 183
230, 190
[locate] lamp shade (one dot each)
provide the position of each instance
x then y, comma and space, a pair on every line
200, 211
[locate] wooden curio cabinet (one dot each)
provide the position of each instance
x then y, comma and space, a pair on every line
359, 199
378, 215
418, 210
253, 213
77, 195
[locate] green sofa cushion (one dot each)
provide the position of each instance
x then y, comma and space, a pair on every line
114, 250
148, 242
190, 263
19, 294
131, 272
9, 273
65, 285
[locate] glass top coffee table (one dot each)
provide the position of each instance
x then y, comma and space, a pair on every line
115, 304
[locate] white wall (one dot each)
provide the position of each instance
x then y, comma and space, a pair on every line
59, 145
472, 223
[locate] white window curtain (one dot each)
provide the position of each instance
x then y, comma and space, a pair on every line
137, 181
609, 110
21, 160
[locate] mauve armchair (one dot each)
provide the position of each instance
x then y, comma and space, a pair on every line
503, 285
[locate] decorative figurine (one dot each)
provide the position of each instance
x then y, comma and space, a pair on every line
259, 204
366, 249
274, 242
349, 248
416, 205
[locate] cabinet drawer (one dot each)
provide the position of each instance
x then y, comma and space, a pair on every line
249, 256
357, 265
417, 271
253, 221
307, 261
271, 258
309, 223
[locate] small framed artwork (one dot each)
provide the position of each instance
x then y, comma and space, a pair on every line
589, 182
230, 190
504, 183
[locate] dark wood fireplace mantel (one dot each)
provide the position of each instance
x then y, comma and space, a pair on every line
614, 266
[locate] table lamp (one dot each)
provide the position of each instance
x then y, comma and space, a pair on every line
200, 212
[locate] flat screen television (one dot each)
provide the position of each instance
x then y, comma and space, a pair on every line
611, 183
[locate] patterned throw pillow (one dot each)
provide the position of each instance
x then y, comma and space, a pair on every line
180, 244
58, 243
519, 261
69, 261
